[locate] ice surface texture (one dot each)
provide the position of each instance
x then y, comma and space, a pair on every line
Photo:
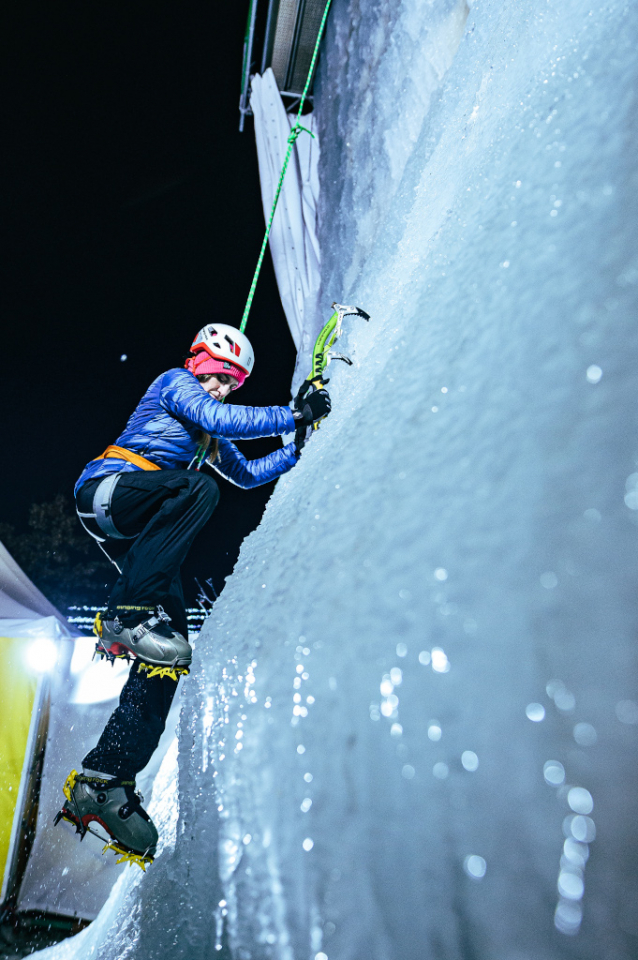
431, 636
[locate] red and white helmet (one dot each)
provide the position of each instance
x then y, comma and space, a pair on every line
227, 344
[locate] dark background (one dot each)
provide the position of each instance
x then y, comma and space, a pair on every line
131, 216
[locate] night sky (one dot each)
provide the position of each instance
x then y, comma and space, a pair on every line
132, 216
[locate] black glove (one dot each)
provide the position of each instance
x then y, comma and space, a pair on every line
313, 407
308, 409
302, 433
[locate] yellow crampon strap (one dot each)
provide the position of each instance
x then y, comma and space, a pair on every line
70, 783
173, 672
97, 625
126, 856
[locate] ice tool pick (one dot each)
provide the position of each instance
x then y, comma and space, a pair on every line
323, 354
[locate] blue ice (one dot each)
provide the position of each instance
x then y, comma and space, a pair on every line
412, 726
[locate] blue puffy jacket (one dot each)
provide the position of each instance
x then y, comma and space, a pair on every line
167, 423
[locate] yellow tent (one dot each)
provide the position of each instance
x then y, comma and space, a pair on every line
30, 629
16, 710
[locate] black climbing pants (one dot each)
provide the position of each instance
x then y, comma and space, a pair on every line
166, 509
130, 738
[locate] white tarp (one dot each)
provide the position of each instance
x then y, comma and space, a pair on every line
293, 239
36, 629
20, 599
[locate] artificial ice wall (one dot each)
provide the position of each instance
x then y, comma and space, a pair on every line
411, 729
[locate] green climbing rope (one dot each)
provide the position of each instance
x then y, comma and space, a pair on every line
294, 133
202, 449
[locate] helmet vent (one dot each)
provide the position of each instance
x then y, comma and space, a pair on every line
233, 346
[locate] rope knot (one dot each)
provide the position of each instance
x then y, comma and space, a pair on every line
296, 130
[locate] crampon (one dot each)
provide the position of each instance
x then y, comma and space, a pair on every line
159, 650
112, 805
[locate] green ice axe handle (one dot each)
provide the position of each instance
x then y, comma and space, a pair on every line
322, 354
330, 333
319, 361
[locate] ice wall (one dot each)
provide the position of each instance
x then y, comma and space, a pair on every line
411, 733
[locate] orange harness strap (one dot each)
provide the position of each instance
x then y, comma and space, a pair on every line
121, 453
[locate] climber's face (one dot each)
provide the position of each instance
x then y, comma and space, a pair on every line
220, 385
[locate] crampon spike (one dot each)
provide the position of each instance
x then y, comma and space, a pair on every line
172, 672
117, 652
127, 856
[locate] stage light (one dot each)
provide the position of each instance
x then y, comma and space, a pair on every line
42, 655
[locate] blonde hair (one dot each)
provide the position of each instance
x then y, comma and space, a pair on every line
212, 447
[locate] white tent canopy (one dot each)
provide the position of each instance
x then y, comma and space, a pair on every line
21, 600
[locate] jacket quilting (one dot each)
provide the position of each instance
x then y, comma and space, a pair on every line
167, 423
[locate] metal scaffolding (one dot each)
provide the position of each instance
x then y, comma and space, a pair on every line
289, 37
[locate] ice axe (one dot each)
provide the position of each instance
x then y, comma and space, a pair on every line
322, 353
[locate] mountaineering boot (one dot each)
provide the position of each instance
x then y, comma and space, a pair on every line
93, 797
160, 649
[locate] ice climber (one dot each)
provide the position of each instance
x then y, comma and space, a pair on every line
144, 501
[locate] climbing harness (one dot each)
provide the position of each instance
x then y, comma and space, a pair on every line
102, 501
102, 517
102, 511
103, 497
322, 353
121, 453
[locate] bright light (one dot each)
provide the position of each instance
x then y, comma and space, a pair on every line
83, 652
99, 682
42, 655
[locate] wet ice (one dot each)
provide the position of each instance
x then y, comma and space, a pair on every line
478, 199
